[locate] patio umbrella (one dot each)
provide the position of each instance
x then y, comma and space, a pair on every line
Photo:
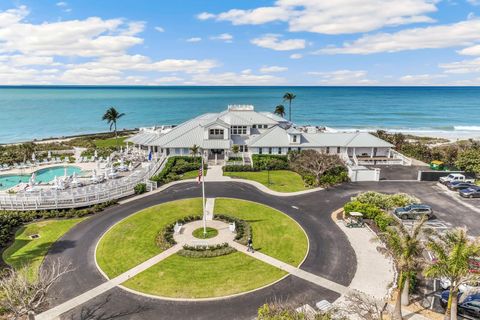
121, 149
49, 155
74, 179
32, 179
33, 156
150, 156
130, 167
95, 154
64, 171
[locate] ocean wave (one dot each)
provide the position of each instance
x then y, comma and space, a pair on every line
467, 128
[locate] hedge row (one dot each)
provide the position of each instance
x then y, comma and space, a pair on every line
239, 168
175, 167
194, 252
242, 228
11, 220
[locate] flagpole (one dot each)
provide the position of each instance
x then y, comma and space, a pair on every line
203, 200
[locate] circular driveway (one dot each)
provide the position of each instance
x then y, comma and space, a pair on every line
330, 256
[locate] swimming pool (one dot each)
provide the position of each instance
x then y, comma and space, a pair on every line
42, 175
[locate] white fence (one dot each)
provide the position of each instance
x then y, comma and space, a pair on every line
81, 196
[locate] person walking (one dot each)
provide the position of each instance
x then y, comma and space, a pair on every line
250, 245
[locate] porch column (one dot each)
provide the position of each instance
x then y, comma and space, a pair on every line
389, 153
371, 154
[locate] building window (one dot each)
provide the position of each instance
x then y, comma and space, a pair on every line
338, 149
279, 150
295, 138
265, 126
254, 126
269, 150
245, 148
328, 150
299, 149
289, 149
216, 132
238, 130
260, 150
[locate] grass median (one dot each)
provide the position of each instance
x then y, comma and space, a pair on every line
280, 180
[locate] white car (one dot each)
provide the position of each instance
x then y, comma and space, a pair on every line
445, 284
455, 177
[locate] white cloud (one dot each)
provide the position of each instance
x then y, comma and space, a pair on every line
463, 33
226, 37
421, 79
343, 77
272, 69
232, 78
61, 4
85, 38
462, 67
194, 39
205, 16
160, 29
471, 51
332, 17
474, 2
296, 56
168, 80
273, 41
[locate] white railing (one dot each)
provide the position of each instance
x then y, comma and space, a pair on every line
405, 160
80, 196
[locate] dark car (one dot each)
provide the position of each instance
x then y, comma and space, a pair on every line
470, 306
414, 211
459, 185
472, 192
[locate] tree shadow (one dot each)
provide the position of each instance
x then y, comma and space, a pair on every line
97, 311
41, 250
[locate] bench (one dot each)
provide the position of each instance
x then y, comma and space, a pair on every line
323, 305
232, 227
177, 228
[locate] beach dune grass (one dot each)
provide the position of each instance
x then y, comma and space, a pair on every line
29, 253
111, 142
181, 277
280, 180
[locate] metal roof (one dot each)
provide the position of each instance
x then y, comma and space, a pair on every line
143, 138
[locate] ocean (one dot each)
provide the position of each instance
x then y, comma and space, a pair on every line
30, 112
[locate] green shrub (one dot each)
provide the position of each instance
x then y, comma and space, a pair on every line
175, 167
206, 251
385, 201
369, 211
140, 188
270, 162
383, 220
238, 168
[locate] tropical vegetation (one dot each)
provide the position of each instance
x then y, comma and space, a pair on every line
280, 110
288, 96
454, 254
112, 116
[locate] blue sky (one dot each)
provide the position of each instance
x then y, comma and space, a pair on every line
283, 42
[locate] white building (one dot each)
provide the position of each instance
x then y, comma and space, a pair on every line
262, 133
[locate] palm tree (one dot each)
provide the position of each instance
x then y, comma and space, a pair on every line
235, 148
112, 116
194, 150
453, 252
288, 96
280, 110
405, 247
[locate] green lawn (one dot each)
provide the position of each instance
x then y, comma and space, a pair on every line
132, 241
103, 143
26, 252
199, 234
191, 174
280, 180
181, 277
274, 233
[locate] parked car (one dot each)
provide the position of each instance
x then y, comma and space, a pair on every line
470, 306
414, 211
455, 177
445, 284
472, 192
459, 185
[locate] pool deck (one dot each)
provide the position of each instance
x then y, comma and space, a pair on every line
28, 171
